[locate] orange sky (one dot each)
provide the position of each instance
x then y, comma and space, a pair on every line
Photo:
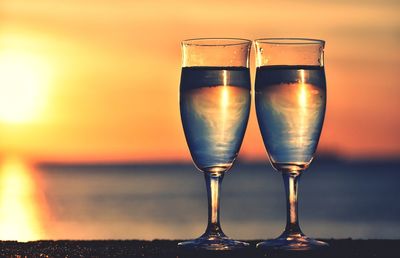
98, 80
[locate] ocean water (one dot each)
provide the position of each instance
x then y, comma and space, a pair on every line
338, 199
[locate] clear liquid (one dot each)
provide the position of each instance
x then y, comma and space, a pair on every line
215, 105
290, 105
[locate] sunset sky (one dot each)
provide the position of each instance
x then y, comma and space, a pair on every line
98, 80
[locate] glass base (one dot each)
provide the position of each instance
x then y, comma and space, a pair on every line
213, 244
295, 242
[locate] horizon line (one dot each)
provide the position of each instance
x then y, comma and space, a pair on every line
324, 158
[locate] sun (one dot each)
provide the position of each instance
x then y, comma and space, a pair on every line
24, 80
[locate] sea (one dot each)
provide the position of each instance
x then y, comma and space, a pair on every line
338, 198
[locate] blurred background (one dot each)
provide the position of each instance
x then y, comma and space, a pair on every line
91, 144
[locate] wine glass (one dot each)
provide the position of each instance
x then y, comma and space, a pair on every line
290, 96
214, 105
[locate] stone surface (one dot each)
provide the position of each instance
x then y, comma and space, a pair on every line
168, 249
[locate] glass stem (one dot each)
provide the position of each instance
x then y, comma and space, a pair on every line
213, 183
291, 180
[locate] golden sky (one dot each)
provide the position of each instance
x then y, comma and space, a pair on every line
98, 80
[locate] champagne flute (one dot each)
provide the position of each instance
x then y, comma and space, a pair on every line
290, 96
214, 105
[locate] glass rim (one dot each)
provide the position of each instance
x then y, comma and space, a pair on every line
290, 41
211, 42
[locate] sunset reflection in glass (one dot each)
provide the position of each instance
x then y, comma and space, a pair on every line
218, 112
296, 110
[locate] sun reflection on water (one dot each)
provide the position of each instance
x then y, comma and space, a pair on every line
21, 206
